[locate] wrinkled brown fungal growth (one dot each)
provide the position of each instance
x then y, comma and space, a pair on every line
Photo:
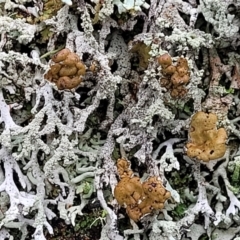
128, 191
206, 141
66, 70
154, 195
123, 167
165, 60
175, 78
138, 198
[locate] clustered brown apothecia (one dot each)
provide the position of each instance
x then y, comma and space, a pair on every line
206, 141
66, 70
138, 198
175, 78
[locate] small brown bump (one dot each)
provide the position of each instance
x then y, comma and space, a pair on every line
61, 55
165, 60
67, 71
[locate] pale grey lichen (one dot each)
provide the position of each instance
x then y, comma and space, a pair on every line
58, 148
216, 13
130, 5
17, 29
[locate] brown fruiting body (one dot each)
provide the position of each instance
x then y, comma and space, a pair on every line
206, 141
66, 70
175, 78
68, 83
165, 60
61, 55
123, 167
138, 198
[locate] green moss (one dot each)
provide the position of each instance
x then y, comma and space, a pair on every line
234, 167
179, 211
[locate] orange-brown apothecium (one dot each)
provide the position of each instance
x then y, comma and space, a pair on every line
206, 141
66, 70
138, 198
175, 78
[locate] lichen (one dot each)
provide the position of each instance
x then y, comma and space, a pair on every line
59, 142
